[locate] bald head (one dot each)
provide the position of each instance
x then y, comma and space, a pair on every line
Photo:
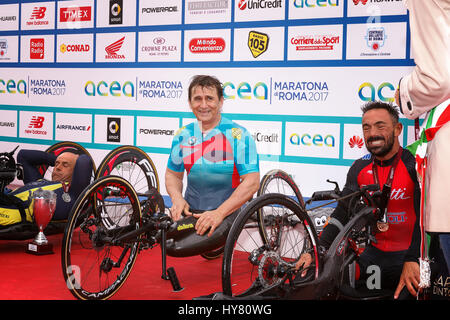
64, 165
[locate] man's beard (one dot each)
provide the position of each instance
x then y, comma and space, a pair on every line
381, 151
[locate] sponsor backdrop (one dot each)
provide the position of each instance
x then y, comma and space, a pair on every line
115, 72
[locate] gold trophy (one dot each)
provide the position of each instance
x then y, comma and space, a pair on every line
43, 209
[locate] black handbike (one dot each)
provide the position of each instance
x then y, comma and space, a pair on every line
274, 230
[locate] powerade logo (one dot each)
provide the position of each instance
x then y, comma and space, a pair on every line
245, 91
384, 92
316, 140
315, 3
11, 86
114, 88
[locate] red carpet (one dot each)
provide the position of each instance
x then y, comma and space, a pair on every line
28, 277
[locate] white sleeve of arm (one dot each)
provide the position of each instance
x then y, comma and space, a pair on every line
429, 82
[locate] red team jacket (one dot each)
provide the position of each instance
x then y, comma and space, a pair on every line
403, 206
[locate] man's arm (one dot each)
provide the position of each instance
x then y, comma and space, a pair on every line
212, 219
30, 160
81, 176
428, 84
174, 187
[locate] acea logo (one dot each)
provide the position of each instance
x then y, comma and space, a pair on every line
315, 3
317, 140
105, 89
245, 91
384, 92
11, 86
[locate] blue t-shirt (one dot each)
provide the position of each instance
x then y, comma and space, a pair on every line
214, 162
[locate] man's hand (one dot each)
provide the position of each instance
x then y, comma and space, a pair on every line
410, 278
179, 206
304, 261
206, 220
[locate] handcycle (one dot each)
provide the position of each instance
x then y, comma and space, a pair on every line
274, 230
126, 161
109, 225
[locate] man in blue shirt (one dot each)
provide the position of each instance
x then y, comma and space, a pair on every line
219, 157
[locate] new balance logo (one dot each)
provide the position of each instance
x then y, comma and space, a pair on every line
36, 122
38, 13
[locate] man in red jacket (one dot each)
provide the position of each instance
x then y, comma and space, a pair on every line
396, 250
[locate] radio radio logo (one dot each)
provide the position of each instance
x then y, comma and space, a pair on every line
37, 48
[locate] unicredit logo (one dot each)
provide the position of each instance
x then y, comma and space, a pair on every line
207, 45
259, 4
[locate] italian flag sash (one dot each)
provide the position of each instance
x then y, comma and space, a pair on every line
434, 120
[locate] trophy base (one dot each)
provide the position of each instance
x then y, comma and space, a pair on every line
39, 249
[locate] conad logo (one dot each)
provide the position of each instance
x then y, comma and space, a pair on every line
114, 88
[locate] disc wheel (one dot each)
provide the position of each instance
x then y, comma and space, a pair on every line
95, 263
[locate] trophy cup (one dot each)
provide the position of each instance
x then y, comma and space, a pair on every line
43, 208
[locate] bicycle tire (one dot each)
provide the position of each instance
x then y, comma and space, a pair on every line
62, 146
284, 185
133, 164
87, 258
244, 269
278, 181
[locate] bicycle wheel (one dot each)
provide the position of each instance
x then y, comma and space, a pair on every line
278, 181
94, 265
255, 260
132, 164
61, 147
